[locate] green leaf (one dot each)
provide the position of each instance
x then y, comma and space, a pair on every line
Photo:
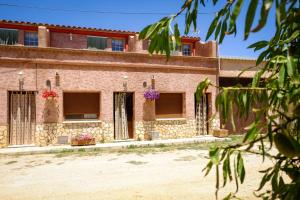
214, 154
235, 13
259, 45
252, 132
264, 180
240, 168
208, 167
261, 57
292, 37
177, 34
212, 27
290, 66
250, 17
281, 76
223, 31
264, 13
201, 87
218, 30
225, 171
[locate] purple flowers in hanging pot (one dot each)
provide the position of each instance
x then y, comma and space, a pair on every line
151, 95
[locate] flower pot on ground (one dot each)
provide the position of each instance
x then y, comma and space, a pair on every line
220, 132
82, 140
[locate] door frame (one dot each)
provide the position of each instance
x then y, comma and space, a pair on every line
9, 107
133, 112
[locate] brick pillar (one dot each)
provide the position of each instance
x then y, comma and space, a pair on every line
21, 37
131, 43
44, 36
108, 48
208, 49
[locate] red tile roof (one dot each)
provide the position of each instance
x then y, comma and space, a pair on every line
56, 26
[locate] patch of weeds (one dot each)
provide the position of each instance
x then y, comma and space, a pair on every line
186, 158
134, 162
11, 162
81, 150
132, 146
160, 145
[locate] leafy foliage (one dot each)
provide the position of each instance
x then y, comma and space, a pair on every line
274, 94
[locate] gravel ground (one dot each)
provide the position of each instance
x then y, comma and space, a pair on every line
165, 175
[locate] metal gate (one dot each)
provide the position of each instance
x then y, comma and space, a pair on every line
22, 117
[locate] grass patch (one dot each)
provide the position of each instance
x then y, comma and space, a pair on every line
134, 149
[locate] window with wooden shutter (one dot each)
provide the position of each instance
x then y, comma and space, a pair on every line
96, 42
81, 105
170, 105
9, 36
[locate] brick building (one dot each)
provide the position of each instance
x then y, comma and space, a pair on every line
100, 77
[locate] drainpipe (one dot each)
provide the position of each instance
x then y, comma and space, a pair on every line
218, 75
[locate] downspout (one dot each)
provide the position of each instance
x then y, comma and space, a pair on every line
36, 78
218, 76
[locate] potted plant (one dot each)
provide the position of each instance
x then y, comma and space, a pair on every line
151, 95
49, 94
51, 106
83, 139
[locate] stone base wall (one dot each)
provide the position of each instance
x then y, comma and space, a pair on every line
47, 134
3, 136
167, 129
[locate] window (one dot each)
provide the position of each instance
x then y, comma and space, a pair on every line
31, 39
80, 106
169, 105
9, 36
117, 45
186, 50
96, 42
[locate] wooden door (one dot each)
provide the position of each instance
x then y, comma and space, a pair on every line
22, 117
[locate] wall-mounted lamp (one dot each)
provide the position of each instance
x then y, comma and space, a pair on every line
144, 84
57, 79
21, 80
48, 84
125, 82
153, 83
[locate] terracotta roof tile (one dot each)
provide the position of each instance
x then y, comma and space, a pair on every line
78, 27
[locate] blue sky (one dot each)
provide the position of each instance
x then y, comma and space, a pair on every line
232, 46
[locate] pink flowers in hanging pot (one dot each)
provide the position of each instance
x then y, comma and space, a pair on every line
48, 94
151, 95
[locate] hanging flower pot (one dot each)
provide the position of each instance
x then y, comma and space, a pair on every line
49, 94
151, 95
51, 107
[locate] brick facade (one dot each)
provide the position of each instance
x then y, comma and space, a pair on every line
80, 70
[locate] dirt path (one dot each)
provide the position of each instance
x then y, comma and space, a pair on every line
166, 175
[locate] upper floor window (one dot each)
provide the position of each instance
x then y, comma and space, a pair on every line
9, 36
96, 42
117, 45
186, 50
31, 39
